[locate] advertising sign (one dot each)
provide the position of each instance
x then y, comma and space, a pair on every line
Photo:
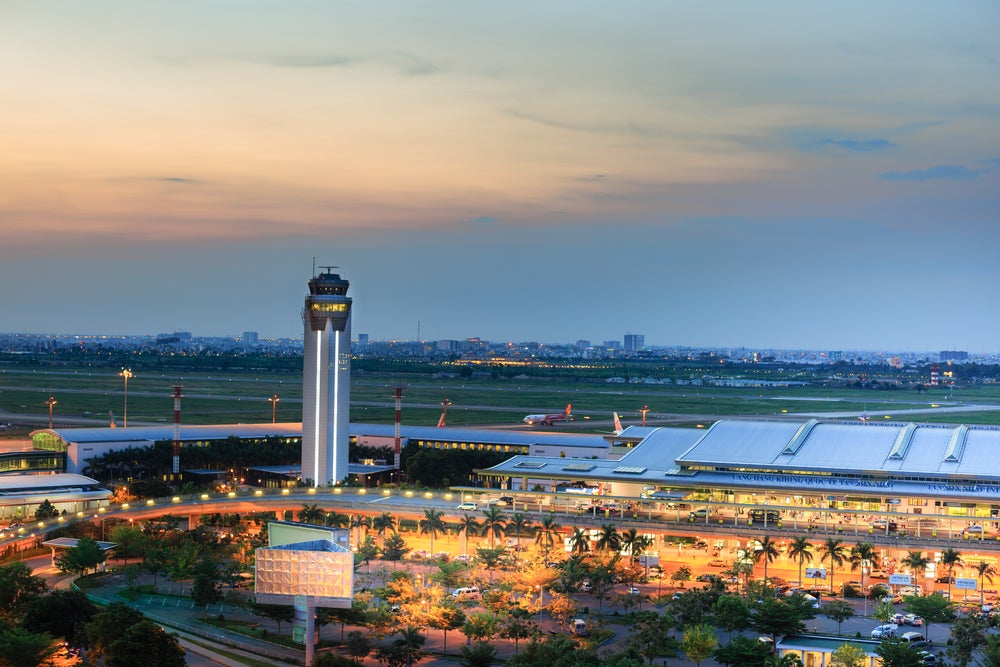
963, 584
815, 573
900, 580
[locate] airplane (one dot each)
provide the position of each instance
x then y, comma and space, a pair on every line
618, 426
548, 419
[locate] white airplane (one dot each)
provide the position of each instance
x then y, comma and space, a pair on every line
549, 419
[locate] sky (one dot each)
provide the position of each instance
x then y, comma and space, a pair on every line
820, 175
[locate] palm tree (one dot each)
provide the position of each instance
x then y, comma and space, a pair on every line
800, 550
985, 571
311, 514
517, 525
836, 551
432, 523
494, 523
580, 541
360, 521
382, 523
546, 533
863, 555
768, 552
609, 538
916, 561
467, 524
336, 519
950, 558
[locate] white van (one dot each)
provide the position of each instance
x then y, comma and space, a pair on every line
911, 637
579, 627
466, 593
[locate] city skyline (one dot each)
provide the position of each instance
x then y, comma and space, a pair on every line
820, 176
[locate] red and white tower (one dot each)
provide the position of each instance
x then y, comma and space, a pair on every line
935, 375
177, 428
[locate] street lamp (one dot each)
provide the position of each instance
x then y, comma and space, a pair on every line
126, 373
52, 401
644, 409
274, 407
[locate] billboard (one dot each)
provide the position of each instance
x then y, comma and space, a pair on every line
964, 584
900, 580
815, 573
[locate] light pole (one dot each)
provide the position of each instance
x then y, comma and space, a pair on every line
644, 409
274, 407
52, 401
126, 373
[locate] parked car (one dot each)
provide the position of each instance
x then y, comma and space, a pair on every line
893, 599
718, 562
913, 619
912, 638
585, 586
928, 658
633, 590
884, 631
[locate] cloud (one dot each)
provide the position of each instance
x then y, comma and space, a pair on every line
993, 162
942, 172
860, 146
408, 64
177, 179
484, 221
310, 60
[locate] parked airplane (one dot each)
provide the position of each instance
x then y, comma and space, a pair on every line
548, 419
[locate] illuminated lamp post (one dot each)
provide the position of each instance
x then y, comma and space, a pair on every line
643, 410
52, 401
274, 407
126, 373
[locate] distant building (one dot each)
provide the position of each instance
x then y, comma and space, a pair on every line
953, 355
249, 338
363, 340
582, 344
634, 343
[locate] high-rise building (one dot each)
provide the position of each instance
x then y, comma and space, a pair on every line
634, 342
326, 388
362, 340
250, 338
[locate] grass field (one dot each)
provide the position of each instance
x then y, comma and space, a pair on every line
213, 398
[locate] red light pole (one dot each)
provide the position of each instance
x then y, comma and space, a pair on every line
52, 401
644, 409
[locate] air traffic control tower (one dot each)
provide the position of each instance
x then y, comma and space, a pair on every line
326, 377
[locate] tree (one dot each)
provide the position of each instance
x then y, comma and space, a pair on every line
480, 654
493, 523
862, 556
743, 651
835, 551
312, 514
884, 611
60, 613
432, 523
608, 539
382, 523
18, 587
480, 626
916, 561
446, 616
546, 535
580, 541
968, 634
985, 571
84, 556
838, 611
767, 552
279, 613
155, 560
516, 625
731, 613
681, 574
46, 510
394, 547
950, 558
848, 655
332, 660
145, 643
130, 541
933, 608
517, 525
337, 519
20, 647
467, 525
699, 643
800, 550
405, 650
490, 557
108, 625
205, 587
896, 653
786, 616
650, 636
358, 645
